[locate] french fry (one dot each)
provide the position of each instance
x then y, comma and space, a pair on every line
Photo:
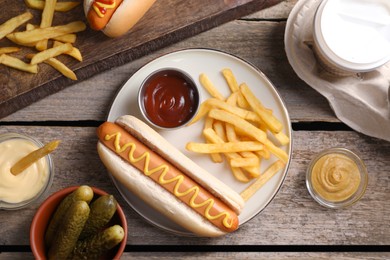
240, 123
51, 53
67, 38
75, 53
212, 137
5, 50
215, 157
240, 175
208, 85
60, 6
282, 138
245, 162
272, 123
264, 178
233, 85
34, 156
17, 64
245, 114
38, 34
219, 128
46, 21
13, 23
62, 68
228, 147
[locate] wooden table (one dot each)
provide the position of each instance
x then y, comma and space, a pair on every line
293, 225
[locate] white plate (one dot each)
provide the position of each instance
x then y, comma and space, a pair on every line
211, 62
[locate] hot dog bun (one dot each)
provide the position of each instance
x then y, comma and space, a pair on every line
125, 16
161, 199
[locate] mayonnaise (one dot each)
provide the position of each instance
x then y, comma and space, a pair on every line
27, 184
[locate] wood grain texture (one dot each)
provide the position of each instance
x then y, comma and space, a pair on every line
168, 21
292, 218
230, 255
258, 42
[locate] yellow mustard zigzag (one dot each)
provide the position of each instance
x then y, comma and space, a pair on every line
164, 169
96, 6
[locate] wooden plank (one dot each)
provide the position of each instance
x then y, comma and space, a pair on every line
292, 218
168, 21
231, 255
260, 43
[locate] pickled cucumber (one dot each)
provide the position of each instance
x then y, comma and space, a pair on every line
102, 211
84, 193
98, 244
69, 230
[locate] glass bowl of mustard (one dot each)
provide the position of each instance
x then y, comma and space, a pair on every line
168, 98
336, 178
21, 190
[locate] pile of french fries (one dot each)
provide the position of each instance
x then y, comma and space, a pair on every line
51, 41
240, 129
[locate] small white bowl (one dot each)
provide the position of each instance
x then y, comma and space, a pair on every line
13, 206
356, 196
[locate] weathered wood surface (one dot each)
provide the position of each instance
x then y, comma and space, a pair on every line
168, 21
293, 218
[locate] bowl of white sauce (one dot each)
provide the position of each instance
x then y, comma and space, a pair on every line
19, 191
352, 36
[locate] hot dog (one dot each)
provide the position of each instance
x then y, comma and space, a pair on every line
115, 17
154, 170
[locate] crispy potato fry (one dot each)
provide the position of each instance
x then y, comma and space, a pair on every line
215, 157
208, 85
245, 162
212, 137
67, 38
267, 175
5, 50
38, 34
233, 85
219, 128
75, 53
282, 138
51, 53
240, 175
13, 23
228, 147
17, 64
62, 68
216, 103
240, 123
60, 6
34, 156
46, 21
272, 123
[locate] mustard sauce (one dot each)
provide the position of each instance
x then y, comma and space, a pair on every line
179, 179
335, 177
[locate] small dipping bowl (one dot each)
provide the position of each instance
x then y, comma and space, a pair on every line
46, 210
338, 167
168, 98
11, 144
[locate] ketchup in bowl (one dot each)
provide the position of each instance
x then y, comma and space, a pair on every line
168, 98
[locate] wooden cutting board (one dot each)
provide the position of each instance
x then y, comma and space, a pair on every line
167, 22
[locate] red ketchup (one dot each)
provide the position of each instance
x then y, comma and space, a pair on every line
170, 98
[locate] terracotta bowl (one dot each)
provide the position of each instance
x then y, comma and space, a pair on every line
47, 209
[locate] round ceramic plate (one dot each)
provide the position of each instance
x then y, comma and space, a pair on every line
210, 62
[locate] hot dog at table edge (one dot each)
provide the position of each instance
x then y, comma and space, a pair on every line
115, 17
167, 180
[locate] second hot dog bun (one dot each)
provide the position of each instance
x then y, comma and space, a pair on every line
151, 191
125, 16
